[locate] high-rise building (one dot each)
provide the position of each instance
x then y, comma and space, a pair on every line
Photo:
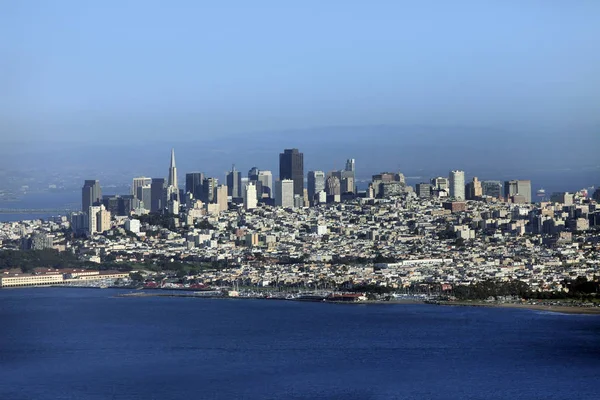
349, 172
518, 188
250, 197
332, 186
222, 197
440, 183
491, 189
350, 165
315, 183
172, 171
98, 219
378, 181
172, 188
139, 182
209, 190
91, 194
284, 193
157, 195
253, 174
291, 166
266, 180
234, 183
473, 189
79, 222
144, 195
456, 181
347, 185
424, 190
193, 184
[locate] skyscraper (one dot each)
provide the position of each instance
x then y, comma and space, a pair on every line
193, 184
157, 195
457, 184
518, 187
291, 166
138, 182
284, 193
473, 189
316, 184
222, 197
424, 190
209, 190
234, 183
172, 171
350, 165
266, 180
332, 186
250, 197
144, 195
440, 183
253, 174
172, 188
91, 194
491, 188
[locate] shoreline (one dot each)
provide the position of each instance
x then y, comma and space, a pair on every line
562, 309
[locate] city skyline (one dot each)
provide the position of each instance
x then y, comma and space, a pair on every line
321, 188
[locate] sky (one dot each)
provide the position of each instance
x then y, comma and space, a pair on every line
147, 70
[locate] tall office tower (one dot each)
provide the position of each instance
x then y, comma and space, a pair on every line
332, 186
250, 197
222, 199
266, 180
350, 165
457, 184
172, 188
347, 185
284, 193
103, 220
139, 182
424, 190
234, 183
596, 195
92, 214
98, 219
193, 184
473, 189
291, 166
316, 184
157, 195
79, 222
491, 188
348, 172
91, 194
253, 174
518, 187
209, 190
172, 171
144, 195
440, 183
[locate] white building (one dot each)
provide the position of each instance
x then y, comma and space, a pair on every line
250, 201
132, 225
457, 184
284, 193
266, 179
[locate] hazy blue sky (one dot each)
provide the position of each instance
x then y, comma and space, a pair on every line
143, 69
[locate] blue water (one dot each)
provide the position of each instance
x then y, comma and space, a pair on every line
13, 217
87, 344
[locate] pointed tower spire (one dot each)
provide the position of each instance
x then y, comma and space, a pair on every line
172, 171
173, 158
